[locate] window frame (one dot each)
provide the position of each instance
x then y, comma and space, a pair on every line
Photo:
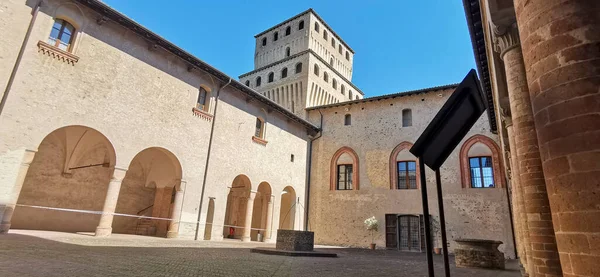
298, 68
317, 27
288, 31
202, 106
57, 40
259, 130
271, 77
481, 176
316, 69
333, 169
284, 73
258, 81
347, 177
497, 166
407, 175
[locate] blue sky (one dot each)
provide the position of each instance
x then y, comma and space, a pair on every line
399, 44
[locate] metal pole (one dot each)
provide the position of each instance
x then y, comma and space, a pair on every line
428, 246
438, 183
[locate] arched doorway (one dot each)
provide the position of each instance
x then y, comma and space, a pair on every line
148, 189
71, 170
262, 213
287, 212
235, 213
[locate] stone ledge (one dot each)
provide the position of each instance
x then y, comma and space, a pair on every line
56, 53
259, 140
202, 114
271, 251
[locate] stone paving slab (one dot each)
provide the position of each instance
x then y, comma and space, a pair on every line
41, 253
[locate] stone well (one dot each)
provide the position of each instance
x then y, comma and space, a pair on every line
292, 240
478, 253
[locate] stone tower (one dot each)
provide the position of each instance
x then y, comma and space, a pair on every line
301, 63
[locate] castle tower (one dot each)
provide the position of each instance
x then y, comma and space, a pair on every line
301, 63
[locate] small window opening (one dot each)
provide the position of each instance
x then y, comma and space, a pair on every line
287, 52
406, 118
271, 77
348, 120
264, 41
275, 36
298, 68
292, 158
284, 72
301, 25
288, 31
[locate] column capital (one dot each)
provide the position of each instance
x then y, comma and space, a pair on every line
506, 37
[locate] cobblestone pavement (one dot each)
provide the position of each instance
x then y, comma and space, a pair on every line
42, 253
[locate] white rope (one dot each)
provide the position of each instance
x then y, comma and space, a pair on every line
128, 215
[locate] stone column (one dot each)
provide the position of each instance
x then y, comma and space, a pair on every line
269, 219
21, 172
176, 213
248, 220
519, 213
544, 256
561, 48
104, 228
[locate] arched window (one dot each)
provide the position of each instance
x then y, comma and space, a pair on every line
325, 77
347, 55
331, 61
316, 69
201, 104
298, 68
325, 34
62, 35
287, 52
356, 97
343, 90
248, 83
271, 77
347, 120
333, 43
316, 27
340, 48
288, 30
258, 81
334, 83
480, 163
404, 170
301, 25
264, 41
350, 94
344, 170
284, 72
275, 36
406, 118
259, 131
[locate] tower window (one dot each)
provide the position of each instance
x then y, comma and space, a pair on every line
248, 83
288, 30
325, 77
316, 27
298, 68
201, 103
316, 69
284, 72
62, 35
258, 81
292, 158
264, 42
301, 25
482, 172
344, 177
340, 48
407, 175
271, 77
334, 83
325, 34
259, 130
275, 36
333, 43
348, 120
287, 52
343, 90
406, 118
350, 94
347, 55
331, 61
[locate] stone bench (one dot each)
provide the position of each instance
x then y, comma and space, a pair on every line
478, 253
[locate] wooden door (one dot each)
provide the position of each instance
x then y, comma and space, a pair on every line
391, 231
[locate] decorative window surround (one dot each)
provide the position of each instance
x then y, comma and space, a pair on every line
56, 53
259, 140
202, 114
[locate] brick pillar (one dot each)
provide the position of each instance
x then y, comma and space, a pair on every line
176, 212
248, 220
519, 214
561, 48
104, 228
544, 256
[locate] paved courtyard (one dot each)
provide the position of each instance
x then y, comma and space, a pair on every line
42, 253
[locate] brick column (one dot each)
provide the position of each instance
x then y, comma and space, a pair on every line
519, 213
561, 48
176, 212
544, 260
20, 171
104, 228
248, 220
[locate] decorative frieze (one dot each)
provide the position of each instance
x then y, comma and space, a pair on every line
56, 53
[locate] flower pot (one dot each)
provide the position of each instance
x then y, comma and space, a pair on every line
372, 246
437, 250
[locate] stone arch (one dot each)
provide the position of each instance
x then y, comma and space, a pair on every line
394, 157
334, 163
496, 160
71, 170
153, 178
287, 210
260, 212
235, 211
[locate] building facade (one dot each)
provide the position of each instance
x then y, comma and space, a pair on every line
106, 127
538, 62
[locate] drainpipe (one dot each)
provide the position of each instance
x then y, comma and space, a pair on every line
36, 9
308, 168
210, 139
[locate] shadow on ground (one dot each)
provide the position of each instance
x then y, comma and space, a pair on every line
80, 255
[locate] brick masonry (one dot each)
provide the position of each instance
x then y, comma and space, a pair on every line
561, 49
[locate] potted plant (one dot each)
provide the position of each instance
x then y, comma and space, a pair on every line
372, 225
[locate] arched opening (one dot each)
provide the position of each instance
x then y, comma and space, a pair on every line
275, 36
148, 189
287, 211
331, 61
284, 73
71, 170
325, 77
288, 30
316, 70
334, 83
264, 41
480, 163
343, 90
316, 27
62, 35
235, 212
258, 80
301, 25
287, 52
271, 77
298, 68
344, 170
404, 168
260, 213
248, 83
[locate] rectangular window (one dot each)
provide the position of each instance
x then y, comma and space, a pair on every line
407, 175
344, 177
482, 175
